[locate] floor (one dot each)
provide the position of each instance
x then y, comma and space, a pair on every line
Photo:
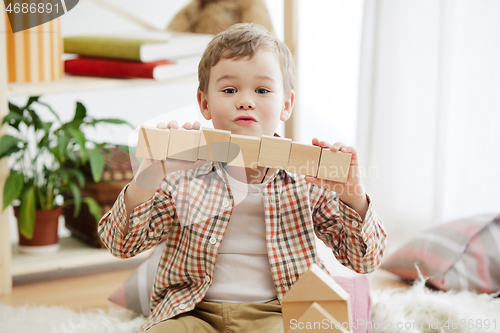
90, 288
76, 289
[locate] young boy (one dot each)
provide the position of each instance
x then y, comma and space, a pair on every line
249, 233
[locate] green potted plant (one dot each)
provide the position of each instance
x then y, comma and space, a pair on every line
45, 161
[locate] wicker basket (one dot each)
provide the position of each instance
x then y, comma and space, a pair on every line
118, 172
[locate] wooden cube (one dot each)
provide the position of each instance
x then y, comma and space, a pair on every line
274, 152
334, 165
304, 159
214, 145
244, 151
184, 144
152, 143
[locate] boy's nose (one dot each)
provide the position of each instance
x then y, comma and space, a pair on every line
245, 104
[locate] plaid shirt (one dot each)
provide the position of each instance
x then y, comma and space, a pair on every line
191, 210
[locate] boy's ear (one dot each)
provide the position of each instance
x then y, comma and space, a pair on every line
203, 104
286, 111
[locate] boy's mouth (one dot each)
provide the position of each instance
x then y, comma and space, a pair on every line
245, 120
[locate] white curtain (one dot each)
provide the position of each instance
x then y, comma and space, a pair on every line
429, 110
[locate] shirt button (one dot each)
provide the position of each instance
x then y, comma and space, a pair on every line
283, 282
207, 279
355, 224
213, 240
225, 204
182, 306
136, 220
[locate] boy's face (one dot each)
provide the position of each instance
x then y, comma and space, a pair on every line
246, 96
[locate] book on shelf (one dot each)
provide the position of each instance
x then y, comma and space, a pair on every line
145, 47
158, 70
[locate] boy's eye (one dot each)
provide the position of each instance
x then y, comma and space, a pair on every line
229, 90
262, 91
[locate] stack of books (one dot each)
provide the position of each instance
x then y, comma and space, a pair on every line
157, 56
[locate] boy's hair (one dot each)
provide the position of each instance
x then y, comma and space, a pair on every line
244, 40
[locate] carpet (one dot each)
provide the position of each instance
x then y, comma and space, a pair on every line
415, 310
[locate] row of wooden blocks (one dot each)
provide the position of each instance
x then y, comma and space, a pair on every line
243, 151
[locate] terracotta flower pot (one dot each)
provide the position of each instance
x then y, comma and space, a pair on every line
45, 239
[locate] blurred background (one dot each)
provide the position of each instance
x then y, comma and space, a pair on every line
413, 84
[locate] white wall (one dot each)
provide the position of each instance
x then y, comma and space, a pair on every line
329, 41
429, 111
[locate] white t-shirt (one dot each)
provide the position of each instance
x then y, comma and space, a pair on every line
242, 270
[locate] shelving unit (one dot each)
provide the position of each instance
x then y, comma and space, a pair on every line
70, 83
73, 253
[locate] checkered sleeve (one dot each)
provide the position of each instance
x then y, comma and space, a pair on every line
148, 223
358, 244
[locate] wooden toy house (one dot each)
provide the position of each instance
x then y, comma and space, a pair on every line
316, 303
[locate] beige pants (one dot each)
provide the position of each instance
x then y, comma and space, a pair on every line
212, 317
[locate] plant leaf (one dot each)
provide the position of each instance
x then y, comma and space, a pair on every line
80, 112
27, 213
15, 108
80, 139
36, 122
94, 208
13, 119
79, 176
13, 188
31, 100
62, 145
112, 121
96, 159
77, 197
50, 109
8, 145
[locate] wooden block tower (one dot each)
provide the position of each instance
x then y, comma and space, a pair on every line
244, 151
314, 302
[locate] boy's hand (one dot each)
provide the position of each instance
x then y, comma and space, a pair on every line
352, 192
151, 172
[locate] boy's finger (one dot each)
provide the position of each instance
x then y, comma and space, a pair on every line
311, 179
324, 144
349, 149
315, 181
337, 146
196, 125
161, 125
187, 125
172, 124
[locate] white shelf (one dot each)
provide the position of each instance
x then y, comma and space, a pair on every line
72, 83
72, 254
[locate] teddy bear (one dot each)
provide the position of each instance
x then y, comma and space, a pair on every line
214, 16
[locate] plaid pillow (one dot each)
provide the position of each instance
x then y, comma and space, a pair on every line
135, 293
462, 255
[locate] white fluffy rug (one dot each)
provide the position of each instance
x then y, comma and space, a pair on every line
55, 319
420, 310
413, 310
